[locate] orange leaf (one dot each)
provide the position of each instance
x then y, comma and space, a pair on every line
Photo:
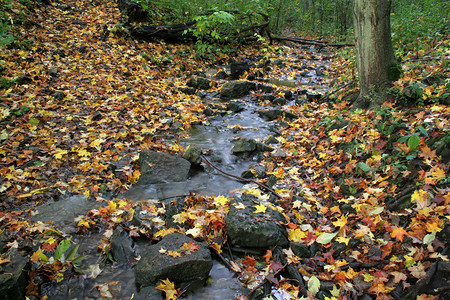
399, 233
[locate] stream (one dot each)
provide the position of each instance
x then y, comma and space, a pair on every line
218, 136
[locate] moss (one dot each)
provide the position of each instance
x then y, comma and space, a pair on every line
395, 71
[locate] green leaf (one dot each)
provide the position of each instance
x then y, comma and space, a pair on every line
42, 256
325, 238
4, 135
413, 142
364, 167
422, 130
77, 259
33, 121
427, 239
314, 285
72, 252
62, 248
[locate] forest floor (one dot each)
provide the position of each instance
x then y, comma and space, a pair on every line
370, 188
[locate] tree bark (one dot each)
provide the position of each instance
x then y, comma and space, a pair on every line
375, 53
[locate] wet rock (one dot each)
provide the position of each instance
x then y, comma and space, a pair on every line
301, 250
121, 246
279, 101
305, 74
244, 145
149, 292
247, 229
221, 75
14, 276
23, 79
319, 72
255, 170
272, 140
193, 154
154, 265
260, 147
208, 112
188, 90
236, 106
237, 89
273, 114
237, 69
264, 87
200, 83
268, 97
313, 96
278, 153
158, 167
287, 94
118, 167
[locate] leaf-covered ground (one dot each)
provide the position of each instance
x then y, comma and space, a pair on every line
368, 188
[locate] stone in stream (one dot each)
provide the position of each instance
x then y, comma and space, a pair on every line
158, 167
121, 246
273, 114
14, 276
244, 146
193, 154
235, 106
249, 229
188, 267
237, 89
198, 82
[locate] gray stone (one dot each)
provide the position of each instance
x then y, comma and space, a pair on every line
301, 250
149, 292
264, 87
273, 114
14, 276
158, 167
279, 101
244, 145
247, 229
121, 246
313, 96
279, 153
236, 106
193, 154
268, 97
154, 265
236, 89
198, 82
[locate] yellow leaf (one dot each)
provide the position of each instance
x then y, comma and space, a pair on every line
343, 240
297, 235
221, 200
59, 153
368, 277
421, 198
261, 208
239, 205
169, 288
341, 222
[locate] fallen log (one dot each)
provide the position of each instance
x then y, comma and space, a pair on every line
312, 42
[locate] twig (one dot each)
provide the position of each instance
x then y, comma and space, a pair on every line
312, 42
243, 179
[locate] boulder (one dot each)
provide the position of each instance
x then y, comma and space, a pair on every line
249, 229
273, 114
14, 276
158, 167
244, 145
236, 89
121, 246
193, 154
198, 82
236, 106
188, 267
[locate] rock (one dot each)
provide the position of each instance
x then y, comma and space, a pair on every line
264, 87
154, 265
255, 170
247, 229
237, 89
268, 97
279, 101
272, 140
305, 74
121, 246
237, 69
287, 94
23, 79
158, 167
319, 72
188, 90
301, 250
236, 106
14, 276
278, 153
313, 96
193, 154
200, 83
273, 114
260, 147
221, 75
244, 145
149, 292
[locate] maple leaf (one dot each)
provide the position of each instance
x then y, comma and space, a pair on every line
296, 235
221, 200
261, 208
341, 222
421, 198
195, 232
168, 287
399, 233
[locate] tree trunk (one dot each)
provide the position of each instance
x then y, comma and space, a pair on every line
374, 50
